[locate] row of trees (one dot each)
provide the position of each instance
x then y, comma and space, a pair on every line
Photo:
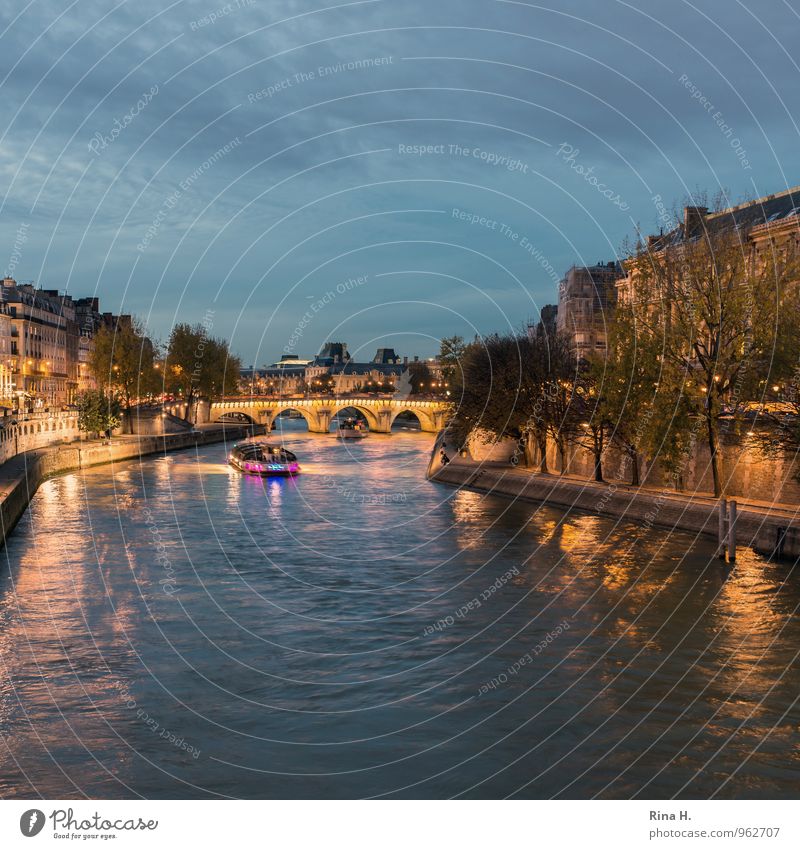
128, 366
702, 338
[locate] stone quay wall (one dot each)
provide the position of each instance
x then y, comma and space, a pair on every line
746, 472
37, 430
21, 475
770, 530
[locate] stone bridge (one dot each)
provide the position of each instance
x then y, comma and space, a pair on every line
380, 413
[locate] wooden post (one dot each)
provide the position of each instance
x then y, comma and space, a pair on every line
722, 528
732, 533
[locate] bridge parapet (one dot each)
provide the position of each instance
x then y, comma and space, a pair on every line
318, 412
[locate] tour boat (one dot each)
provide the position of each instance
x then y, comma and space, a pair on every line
263, 458
352, 429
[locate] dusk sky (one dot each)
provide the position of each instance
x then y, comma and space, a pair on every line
242, 162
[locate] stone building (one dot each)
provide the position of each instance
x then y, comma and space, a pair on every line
586, 299
386, 356
766, 225
44, 345
364, 377
6, 360
89, 320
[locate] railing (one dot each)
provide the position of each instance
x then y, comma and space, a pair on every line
36, 430
359, 396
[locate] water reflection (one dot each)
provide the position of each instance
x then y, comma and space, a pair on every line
321, 639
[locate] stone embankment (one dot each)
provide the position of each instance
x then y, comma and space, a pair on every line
771, 529
21, 475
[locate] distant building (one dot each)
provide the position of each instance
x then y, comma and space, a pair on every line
6, 360
289, 361
768, 225
332, 371
365, 377
89, 320
586, 300
336, 351
44, 344
386, 356
548, 316
282, 380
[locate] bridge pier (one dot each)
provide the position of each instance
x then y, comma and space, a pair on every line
319, 421
383, 422
438, 419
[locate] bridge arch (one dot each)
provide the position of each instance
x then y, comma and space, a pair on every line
250, 416
308, 415
369, 415
426, 421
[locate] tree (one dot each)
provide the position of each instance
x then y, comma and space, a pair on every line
199, 366
782, 415
593, 426
482, 401
516, 386
641, 396
716, 312
420, 377
451, 350
122, 361
551, 372
98, 412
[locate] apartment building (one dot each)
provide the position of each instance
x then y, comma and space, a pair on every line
6, 360
768, 226
44, 345
586, 298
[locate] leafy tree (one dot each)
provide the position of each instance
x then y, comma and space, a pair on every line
552, 374
482, 389
641, 396
98, 412
592, 428
122, 361
451, 350
516, 386
717, 315
420, 377
782, 415
199, 366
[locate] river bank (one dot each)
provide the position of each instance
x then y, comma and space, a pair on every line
22, 475
769, 528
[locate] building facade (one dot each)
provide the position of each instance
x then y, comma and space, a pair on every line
89, 320
44, 345
767, 226
6, 360
586, 299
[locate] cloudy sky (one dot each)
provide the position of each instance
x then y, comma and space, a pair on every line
378, 172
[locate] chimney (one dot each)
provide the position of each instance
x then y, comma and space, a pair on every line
405, 361
693, 217
416, 358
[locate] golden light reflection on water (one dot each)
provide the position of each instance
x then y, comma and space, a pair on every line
65, 590
650, 628
469, 518
748, 619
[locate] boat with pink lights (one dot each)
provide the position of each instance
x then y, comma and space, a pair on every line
263, 458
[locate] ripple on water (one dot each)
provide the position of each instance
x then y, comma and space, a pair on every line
311, 642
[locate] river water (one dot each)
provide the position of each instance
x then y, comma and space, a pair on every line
175, 630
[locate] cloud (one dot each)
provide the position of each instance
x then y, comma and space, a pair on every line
323, 100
